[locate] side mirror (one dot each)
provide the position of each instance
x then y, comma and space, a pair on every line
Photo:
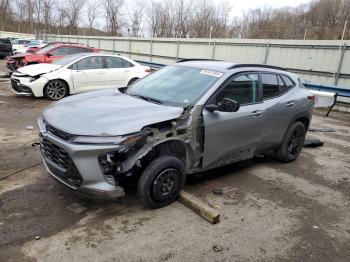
226, 105
49, 54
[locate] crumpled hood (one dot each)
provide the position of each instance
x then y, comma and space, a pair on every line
107, 112
38, 69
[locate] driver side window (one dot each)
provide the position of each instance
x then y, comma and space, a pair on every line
243, 89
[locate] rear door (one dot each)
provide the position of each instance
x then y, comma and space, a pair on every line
89, 74
279, 106
118, 71
234, 135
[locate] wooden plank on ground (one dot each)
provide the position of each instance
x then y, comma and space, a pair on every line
199, 207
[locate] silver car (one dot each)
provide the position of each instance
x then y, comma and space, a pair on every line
185, 118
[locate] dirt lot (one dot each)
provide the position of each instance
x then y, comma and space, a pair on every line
269, 211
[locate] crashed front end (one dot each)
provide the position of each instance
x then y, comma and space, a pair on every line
95, 166
15, 62
78, 166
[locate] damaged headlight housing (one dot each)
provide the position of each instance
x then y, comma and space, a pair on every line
33, 78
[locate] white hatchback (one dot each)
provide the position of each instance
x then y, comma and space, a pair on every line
75, 74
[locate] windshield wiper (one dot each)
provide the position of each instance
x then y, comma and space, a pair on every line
148, 99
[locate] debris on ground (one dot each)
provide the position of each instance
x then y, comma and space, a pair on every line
217, 191
5, 74
199, 207
213, 205
217, 248
37, 237
77, 208
315, 129
315, 227
313, 143
29, 127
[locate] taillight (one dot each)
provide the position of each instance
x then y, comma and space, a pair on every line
312, 98
148, 70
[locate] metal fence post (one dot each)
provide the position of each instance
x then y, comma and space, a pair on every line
213, 52
342, 54
88, 41
129, 47
266, 53
151, 51
177, 50
113, 46
99, 43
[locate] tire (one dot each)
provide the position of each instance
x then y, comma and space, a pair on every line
56, 90
132, 81
161, 182
292, 143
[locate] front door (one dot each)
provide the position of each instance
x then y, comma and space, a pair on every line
89, 74
234, 136
56, 54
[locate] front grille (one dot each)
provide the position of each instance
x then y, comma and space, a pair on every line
55, 153
18, 87
58, 133
62, 159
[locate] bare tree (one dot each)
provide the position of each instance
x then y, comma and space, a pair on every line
112, 9
92, 14
136, 17
73, 14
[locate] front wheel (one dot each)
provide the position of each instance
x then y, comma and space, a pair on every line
161, 182
56, 90
292, 144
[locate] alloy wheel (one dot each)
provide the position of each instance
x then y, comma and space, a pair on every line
56, 90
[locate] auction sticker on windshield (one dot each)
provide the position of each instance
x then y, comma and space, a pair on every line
211, 73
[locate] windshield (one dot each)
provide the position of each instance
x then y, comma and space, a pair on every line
68, 59
46, 48
175, 85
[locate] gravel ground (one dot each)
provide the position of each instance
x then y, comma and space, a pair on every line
269, 211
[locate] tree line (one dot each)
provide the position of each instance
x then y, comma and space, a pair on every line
319, 19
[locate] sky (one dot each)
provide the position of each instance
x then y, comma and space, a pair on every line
244, 5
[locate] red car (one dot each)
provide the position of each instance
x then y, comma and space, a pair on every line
47, 54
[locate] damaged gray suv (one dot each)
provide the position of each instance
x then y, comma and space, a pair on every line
185, 118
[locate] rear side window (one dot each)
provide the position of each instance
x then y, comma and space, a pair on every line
242, 88
61, 51
289, 83
270, 85
75, 50
116, 62
281, 85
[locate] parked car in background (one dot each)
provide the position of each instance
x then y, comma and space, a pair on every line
19, 44
185, 118
36, 44
34, 49
75, 74
5, 47
48, 54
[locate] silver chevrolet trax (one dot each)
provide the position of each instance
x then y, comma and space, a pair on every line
185, 118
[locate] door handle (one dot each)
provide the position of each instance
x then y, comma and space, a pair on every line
290, 104
256, 113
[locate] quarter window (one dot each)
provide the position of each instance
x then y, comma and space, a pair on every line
115, 62
92, 62
243, 89
289, 83
270, 85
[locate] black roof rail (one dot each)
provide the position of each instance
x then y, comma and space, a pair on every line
194, 59
257, 65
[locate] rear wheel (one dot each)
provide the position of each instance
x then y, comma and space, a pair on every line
161, 182
56, 90
292, 144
